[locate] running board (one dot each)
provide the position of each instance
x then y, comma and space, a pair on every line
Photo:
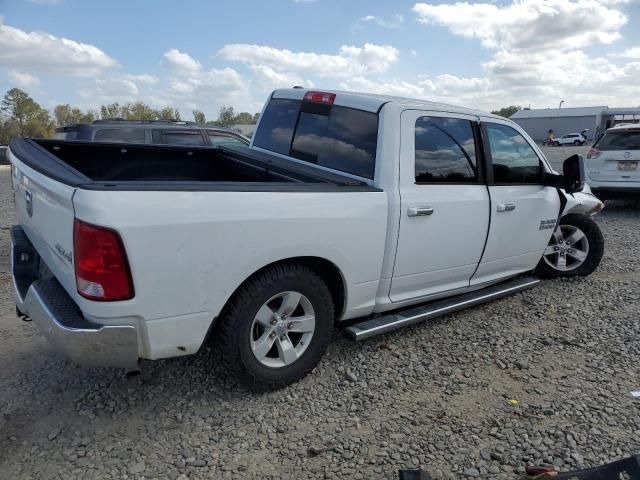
412, 315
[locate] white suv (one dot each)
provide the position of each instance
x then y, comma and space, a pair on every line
576, 139
612, 162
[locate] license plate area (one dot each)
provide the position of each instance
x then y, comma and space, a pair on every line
627, 165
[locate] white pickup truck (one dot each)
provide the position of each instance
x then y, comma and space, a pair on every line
345, 206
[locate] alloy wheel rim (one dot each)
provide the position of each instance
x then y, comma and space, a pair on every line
282, 329
567, 249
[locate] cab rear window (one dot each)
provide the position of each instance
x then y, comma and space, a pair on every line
620, 140
332, 136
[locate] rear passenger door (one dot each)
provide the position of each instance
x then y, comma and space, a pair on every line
523, 211
444, 204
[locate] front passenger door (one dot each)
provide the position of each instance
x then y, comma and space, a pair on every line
523, 211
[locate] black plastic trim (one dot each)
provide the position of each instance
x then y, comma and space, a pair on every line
38, 158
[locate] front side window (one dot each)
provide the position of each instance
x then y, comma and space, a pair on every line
331, 136
120, 135
176, 137
514, 161
445, 151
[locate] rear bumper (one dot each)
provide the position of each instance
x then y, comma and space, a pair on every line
60, 320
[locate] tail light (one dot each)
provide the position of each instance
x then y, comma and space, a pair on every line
593, 153
319, 97
102, 269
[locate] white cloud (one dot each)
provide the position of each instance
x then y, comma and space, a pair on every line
395, 22
42, 51
537, 53
143, 78
181, 61
266, 78
629, 53
23, 79
349, 61
528, 24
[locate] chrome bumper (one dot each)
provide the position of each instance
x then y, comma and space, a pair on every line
59, 319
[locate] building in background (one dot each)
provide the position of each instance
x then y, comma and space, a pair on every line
537, 122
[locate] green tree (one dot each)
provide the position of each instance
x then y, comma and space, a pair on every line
169, 113
507, 111
243, 118
110, 111
226, 117
199, 117
256, 116
66, 115
23, 116
138, 111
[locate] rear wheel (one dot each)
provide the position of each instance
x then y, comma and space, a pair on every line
577, 143
575, 248
277, 326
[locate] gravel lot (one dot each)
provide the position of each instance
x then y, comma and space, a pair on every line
441, 395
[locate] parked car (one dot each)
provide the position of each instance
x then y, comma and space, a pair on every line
576, 139
612, 163
161, 132
347, 206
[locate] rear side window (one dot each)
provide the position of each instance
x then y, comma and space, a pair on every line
445, 151
332, 136
514, 161
120, 135
621, 140
225, 140
177, 137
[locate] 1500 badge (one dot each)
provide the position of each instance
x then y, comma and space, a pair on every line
547, 224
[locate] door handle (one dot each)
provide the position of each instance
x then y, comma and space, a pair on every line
506, 207
419, 211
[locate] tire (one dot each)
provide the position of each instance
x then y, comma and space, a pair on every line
245, 330
556, 144
591, 245
577, 143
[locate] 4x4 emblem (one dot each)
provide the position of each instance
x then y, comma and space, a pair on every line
28, 199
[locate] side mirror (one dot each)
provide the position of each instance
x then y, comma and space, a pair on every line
572, 178
573, 173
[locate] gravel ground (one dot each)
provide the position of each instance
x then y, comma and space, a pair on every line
542, 376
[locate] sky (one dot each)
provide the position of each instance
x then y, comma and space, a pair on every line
202, 55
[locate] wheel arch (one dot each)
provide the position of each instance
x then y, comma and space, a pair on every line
326, 269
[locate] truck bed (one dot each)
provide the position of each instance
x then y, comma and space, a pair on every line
94, 165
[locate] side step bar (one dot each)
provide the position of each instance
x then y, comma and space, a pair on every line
412, 315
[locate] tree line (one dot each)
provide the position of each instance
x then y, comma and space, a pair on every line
22, 116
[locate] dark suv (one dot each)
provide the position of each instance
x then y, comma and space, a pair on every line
158, 132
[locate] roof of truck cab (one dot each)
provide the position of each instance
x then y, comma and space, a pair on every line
372, 102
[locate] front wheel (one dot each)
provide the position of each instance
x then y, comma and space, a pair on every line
575, 248
277, 326
556, 144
